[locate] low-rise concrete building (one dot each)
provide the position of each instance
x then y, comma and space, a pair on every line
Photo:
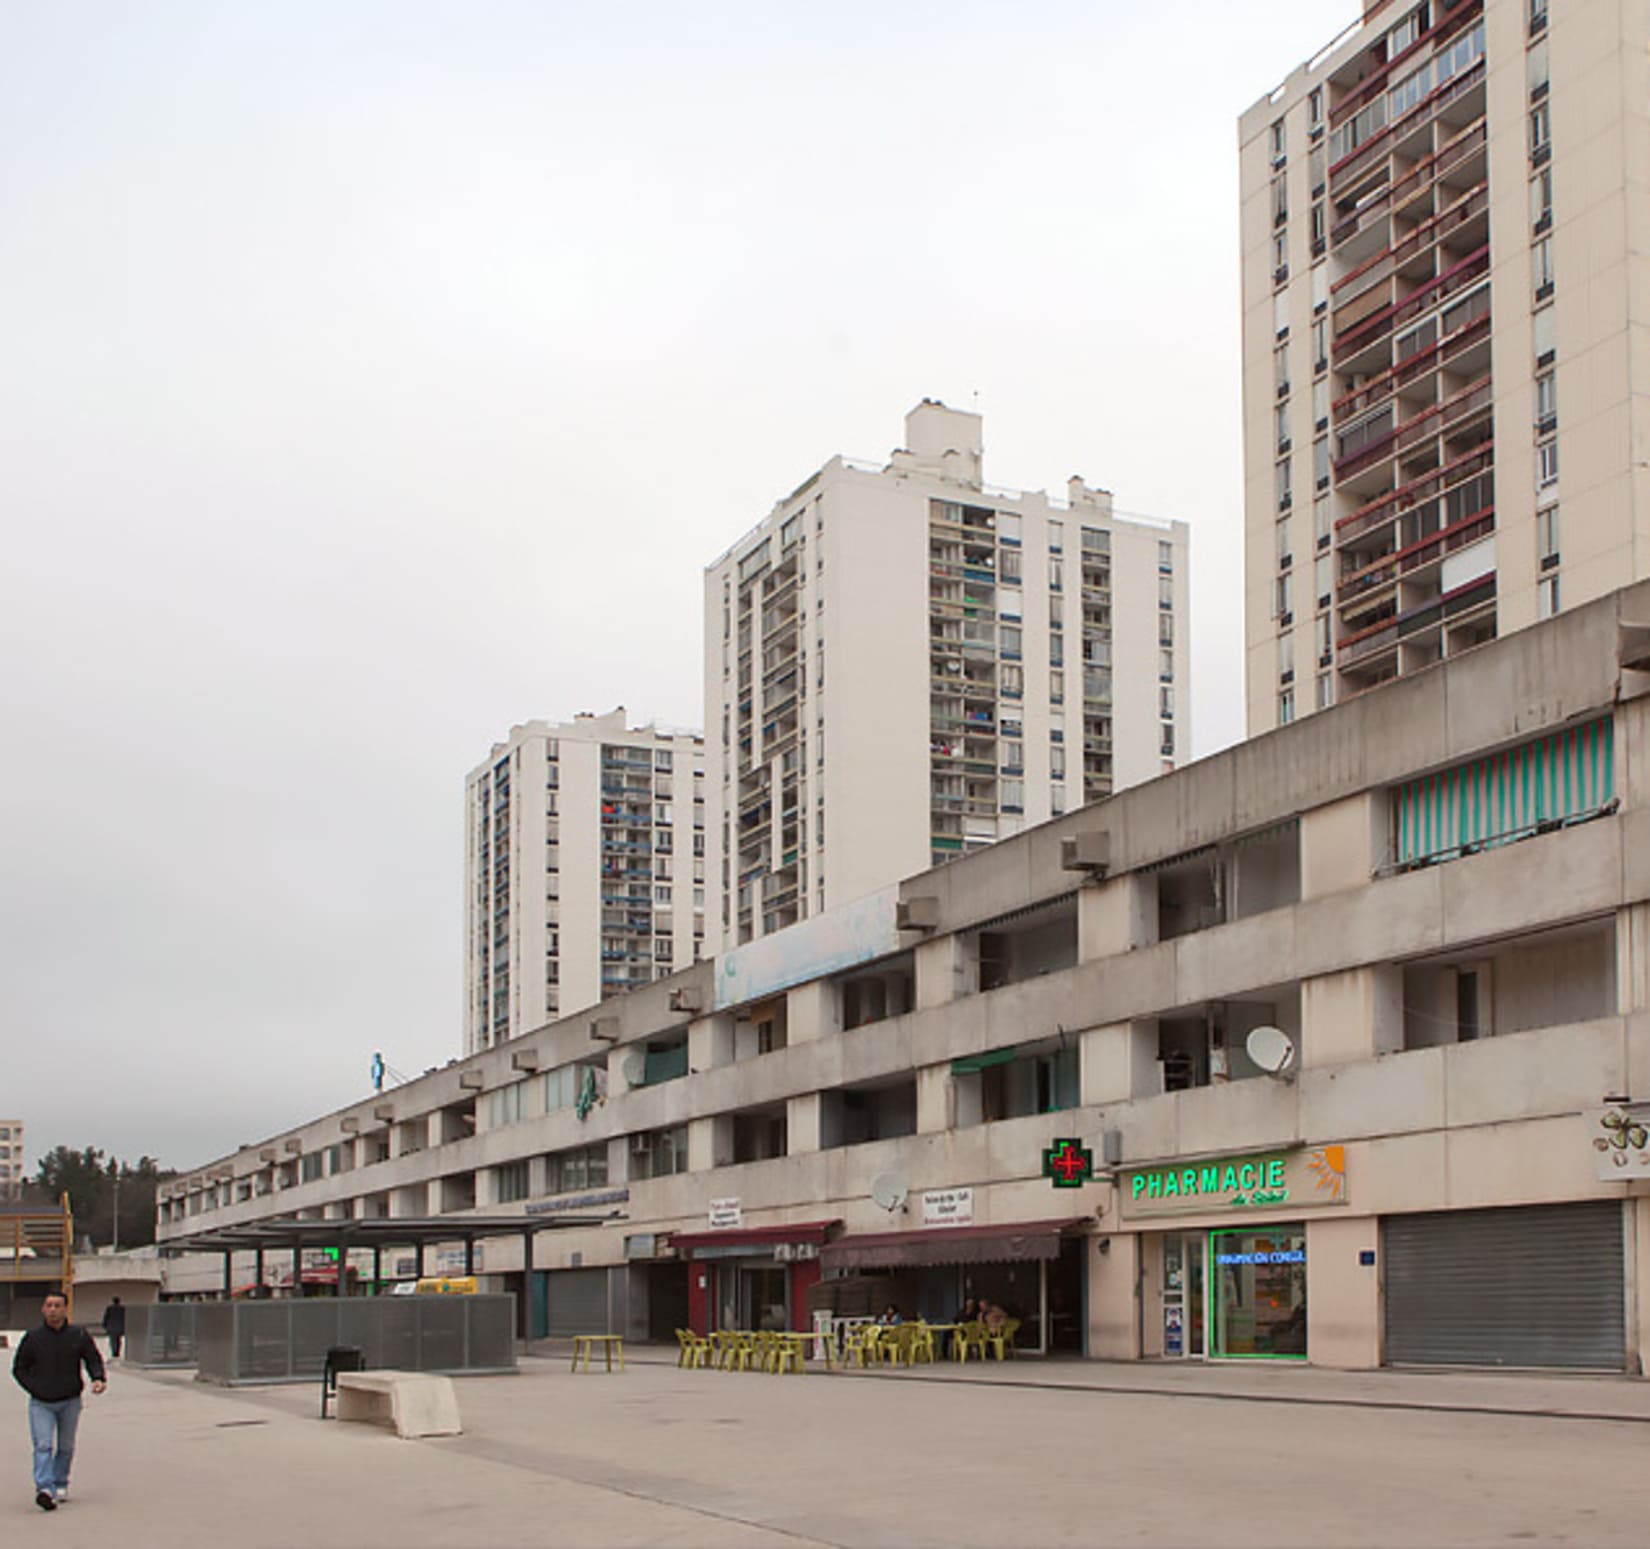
1351, 1019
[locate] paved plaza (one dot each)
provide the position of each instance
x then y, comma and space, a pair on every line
1026, 1454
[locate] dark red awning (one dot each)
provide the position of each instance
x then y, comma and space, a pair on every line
754, 1236
1016, 1242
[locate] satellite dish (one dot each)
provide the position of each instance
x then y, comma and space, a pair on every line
889, 1190
1272, 1049
634, 1069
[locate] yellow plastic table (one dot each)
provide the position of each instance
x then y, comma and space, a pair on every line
582, 1344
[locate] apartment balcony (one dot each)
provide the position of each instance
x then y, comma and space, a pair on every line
1445, 419
1465, 352
1464, 89
1374, 330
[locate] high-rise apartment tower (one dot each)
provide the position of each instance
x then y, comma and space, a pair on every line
584, 869
903, 664
1446, 354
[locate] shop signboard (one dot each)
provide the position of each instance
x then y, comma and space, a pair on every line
1620, 1137
795, 1252
1295, 1179
948, 1207
725, 1214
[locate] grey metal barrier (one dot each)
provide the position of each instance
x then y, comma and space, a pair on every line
160, 1334
287, 1341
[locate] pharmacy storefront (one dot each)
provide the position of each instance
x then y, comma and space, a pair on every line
1224, 1256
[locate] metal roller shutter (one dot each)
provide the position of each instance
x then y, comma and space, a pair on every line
1532, 1285
578, 1301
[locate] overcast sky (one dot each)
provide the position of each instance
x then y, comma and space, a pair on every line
376, 375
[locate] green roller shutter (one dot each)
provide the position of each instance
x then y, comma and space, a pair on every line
1507, 795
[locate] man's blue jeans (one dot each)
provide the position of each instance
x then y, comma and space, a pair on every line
53, 1426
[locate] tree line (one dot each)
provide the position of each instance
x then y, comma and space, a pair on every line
113, 1200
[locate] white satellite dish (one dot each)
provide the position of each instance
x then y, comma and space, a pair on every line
1272, 1049
634, 1069
889, 1190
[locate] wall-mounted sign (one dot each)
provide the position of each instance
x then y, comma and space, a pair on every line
1299, 1179
1620, 1135
1069, 1164
795, 1252
948, 1207
550, 1207
725, 1214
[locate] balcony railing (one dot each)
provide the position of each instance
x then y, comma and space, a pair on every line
1424, 112
1413, 366
1395, 503
1373, 270
1457, 277
1436, 421
1400, 562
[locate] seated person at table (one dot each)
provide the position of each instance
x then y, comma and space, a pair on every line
992, 1316
890, 1315
970, 1312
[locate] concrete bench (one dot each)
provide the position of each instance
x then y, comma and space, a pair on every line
415, 1403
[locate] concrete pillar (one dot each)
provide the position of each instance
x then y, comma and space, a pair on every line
1343, 843
1637, 1244
812, 1010
1632, 959
933, 1099
1114, 1306
1352, 1016
802, 1124
1119, 1062
710, 1041
942, 970
1116, 916
710, 1142
1343, 1295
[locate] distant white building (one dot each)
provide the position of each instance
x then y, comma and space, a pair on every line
13, 1168
584, 869
903, 665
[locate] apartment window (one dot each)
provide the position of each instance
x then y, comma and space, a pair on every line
1279, 143
1322, 522
1321, 628
1286, 658
1056, 573
1541, 200
1165, 741
1319, 234
1314, 110
1056, 650
1280, 200
1057, 688
1284, 556
1165, 628
1543, 336
1009, 566
1056, 612
1321, 583
583, 1167
1057, 800
1280, 261
1280, 369
1282, 413
1165, 704
1541, 132
1165, 666
1286, 706
1011, 681
1541, 268
1326, 691
1009, 602
1013, 795
1165, 591
1539, 76
1546, 402
1320, 404
1320, 344
1008, 527
1165, 558
1057, 761
504, 1105
1546, 597
1280, 312
1320, 462
1546, 465
1320, 287
1546, 537
1280, 483
1285, 593
1056, 536
1538, 15
510, 1182
1011, 641
659, 1153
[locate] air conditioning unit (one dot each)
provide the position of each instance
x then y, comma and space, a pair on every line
1089, 851
470, 1081
917, 913
686, 1000
267, 1154
350, 1125
604, 1030
525, 1059
294, 1146
384, 1112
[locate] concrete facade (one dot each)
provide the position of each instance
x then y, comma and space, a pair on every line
1277, 884
1029, 655
1445, 359
612, 819
14, 1166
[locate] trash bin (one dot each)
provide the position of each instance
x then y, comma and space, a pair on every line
340, 1358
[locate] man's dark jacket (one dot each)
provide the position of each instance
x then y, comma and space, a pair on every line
48, 1362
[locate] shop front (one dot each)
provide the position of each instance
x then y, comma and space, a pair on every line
1033, 1270
753, 1277
1223, 1277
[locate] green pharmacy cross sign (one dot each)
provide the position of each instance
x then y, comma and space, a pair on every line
1069, 1163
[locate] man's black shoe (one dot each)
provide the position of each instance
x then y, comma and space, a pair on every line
44, 1501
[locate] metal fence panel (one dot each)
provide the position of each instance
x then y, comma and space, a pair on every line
161, 1334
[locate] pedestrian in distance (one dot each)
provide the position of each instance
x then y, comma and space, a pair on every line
47, 1367
114, 1325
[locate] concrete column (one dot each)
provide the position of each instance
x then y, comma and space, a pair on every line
1114, 1307
1632, 959
802, 1124
1352, 1016
933, 1099
710, 1142
710, 1042
1116, 917
942, 970
1343, 1295
1119, 1062
1342, 844
812, 1011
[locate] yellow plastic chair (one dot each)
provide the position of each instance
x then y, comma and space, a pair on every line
921, 1346
787, 1353
1002, 1342
970, 1340
693, 1348
860, 1347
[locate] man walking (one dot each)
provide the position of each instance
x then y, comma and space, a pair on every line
114, 1325
47, 1368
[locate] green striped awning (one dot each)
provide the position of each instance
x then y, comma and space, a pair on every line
1508, 795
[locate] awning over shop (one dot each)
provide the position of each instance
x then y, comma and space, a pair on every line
753, 1237
1014, 1243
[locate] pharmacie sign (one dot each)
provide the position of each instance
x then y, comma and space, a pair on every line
1297, 1179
